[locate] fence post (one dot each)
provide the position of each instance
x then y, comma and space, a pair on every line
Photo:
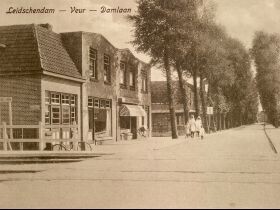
5, 136
41, 136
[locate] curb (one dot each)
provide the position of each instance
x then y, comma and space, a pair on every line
270, 141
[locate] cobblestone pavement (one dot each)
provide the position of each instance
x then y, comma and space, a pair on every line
230, 169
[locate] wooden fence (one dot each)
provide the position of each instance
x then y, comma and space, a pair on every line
40, 134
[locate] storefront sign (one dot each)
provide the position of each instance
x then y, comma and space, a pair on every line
210, 110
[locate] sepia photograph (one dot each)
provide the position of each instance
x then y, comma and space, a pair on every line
144, 104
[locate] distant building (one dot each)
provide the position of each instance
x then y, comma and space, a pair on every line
160, 109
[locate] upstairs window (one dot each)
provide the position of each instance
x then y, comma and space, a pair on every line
93, 63
107, 69
144, 82
132, 80
122, 74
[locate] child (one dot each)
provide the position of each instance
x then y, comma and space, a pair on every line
202, 132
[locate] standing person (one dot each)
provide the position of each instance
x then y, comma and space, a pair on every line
192, 126
187, 130
198, 125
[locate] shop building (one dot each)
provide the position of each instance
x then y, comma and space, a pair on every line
69, 82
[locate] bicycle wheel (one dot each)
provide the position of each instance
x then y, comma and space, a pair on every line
87, 146
58, 147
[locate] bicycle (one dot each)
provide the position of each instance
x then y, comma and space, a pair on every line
62, 146
142, 131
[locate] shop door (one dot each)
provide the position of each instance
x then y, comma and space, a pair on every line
134, 127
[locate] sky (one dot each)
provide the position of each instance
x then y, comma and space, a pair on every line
241, 19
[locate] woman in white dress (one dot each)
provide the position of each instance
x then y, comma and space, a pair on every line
192, 126
198, 124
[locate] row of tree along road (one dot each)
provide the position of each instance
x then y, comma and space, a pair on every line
183, 38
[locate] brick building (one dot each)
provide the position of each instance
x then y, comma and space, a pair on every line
72, 80
160, 109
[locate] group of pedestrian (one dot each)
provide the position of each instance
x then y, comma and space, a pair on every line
194, 127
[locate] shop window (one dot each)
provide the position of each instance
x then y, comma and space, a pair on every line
100, 117
73, 115
65, 114
73, 100
55, 114
55, 98
60, 108
107, 69
93, 63
65, 99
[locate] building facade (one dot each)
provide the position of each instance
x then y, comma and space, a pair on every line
160, 108
70, 83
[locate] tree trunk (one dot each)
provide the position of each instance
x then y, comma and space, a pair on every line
183, 92
224, 121
203, 104
197, 112
174, 132
220, 119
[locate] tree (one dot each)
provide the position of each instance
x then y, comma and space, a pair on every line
266, 51
158, 26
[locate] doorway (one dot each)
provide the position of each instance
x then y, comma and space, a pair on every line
133, 121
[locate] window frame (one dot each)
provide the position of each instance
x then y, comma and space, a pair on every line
93, 73
123, 70
107, 69
133, 80
62, 115
59, 115
65, 100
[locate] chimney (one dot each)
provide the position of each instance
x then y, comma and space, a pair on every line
47, 26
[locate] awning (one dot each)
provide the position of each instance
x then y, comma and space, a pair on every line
132, 110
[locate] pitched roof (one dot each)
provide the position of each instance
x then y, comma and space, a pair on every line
159, 92
32, 48
21, 51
